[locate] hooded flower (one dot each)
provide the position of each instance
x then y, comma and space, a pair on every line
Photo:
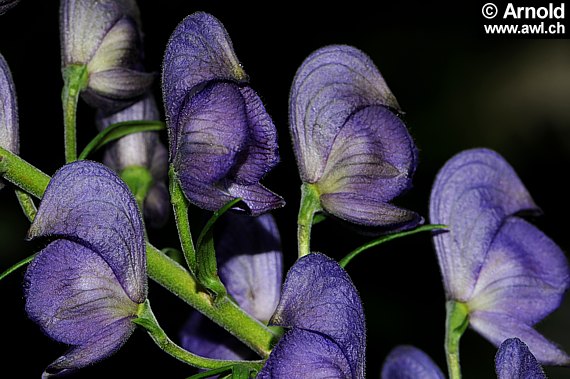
250, 265
84, 288
322, 311
9, 134
6, 5
508, 273
105, 36
513, 361
408, 362
141, 150
222, 141
349, 143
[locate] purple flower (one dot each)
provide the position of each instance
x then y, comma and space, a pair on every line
408, 362
515, 361
348, 141
105, 36
9, 131
85, 287
506, 271
323, 312
222, 141
250, 265
141, 150
6, 5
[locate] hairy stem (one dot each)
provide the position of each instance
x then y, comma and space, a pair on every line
27, 204
224, 312
310, 204
75, 79
180, 206
147, 320
456, 322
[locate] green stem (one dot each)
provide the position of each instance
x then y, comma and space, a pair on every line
424, 228
22, 174
23, 262
139, 180
310, 204
456, 323
27, 204
75, 79
180, 206
161, 269
149, 322
224, 312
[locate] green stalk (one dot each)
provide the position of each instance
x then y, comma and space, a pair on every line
161, 269
456, 323
22, 174
310, 204
180, 206
75, 78
224, 312
139, 180
380, 240
147, 320
27, 204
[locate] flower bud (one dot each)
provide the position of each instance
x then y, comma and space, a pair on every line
105, 37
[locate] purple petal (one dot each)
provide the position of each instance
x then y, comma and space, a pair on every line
262, 149
473, 194
373, 155
9, 134
203, 337
199, 51
6, 5
497, 327
330, 85
408, 362
213, 131
157, 205
319, 296
137, 149
525, 275
515, 361
224, 149
250, 262
85, 24
368, 211
88, 203
73, 294
144, 109
118, 84
301, 354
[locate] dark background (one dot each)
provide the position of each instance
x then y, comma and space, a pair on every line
458, 87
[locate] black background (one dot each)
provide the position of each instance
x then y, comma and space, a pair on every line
458, 87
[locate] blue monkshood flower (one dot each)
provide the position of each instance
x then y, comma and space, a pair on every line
6, 5
512, 361
409, 362
515, 361
222, 141
105, 36
250, 265
348, 142
141, 150
9, 131
506, 272
85, 287
323, 312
